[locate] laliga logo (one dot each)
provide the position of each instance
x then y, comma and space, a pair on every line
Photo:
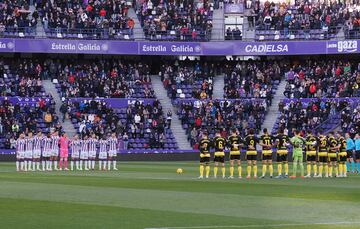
104, 47
197, 48
10, 45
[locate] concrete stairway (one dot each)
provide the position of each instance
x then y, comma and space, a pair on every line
218, 83
176, 127
273, 111
68, 127
138, 31
218, 31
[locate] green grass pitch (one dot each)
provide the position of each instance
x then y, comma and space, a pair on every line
151, 195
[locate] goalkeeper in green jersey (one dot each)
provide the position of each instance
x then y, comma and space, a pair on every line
297, 142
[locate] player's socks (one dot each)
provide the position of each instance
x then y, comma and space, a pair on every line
201, 170
105, 165
358, 166
25, 165
66, 163
89, 164
43, 165
72, 165
21, 165
207, 169
215, 171
315, 169
348, 166
109, 165
34, 165
330, 168
248, 169
61, 163
114, 164
271, 169
17, 165
93, 164
55, 164
344, 170
86, 164
239, 171
308, 169
263, 170
30, 165
336, 171
321, 169
231, 171
301, 169
38, 165
50, 165
286, 168
77, 165
340, 169
295, 168
255, 170
280, 169
81, 164
223, 171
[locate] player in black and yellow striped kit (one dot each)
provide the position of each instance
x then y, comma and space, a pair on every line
219, 155
266, 141
342, 155
234, 142
204, 148
282, 142
333, 147
311, 142
250, 142
323, 147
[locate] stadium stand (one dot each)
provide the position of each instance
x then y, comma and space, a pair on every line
20, 77
176, 20
23, 116
302, 20
210, 115
332, 78
87, 19
16, 20
139, 126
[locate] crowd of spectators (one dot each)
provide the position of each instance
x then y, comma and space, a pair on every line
21, 77
323, 78
15, 16
103, 78
307, 115
139, 126
17, 117
176, 20
188, 79
233, 34
211, 115
91, 17
252, 79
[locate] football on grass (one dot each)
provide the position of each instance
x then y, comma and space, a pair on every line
179, 171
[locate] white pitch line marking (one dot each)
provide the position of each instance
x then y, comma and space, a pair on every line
257, 226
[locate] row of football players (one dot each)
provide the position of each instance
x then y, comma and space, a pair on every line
324, 154
51, 148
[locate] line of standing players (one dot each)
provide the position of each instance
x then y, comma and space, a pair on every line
49, 149
324, 154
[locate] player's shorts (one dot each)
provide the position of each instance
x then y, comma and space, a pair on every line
102, 155
37, 154
323, 159
46, 153
75, 155
282, 156
20, 155
332, 157
92, 154
29, 154
310, 157
251, 157
357, 155
267, 154
220, 159
234, 157
84, 155
112, 153
342, 158
55, 153
204, 159
349, 154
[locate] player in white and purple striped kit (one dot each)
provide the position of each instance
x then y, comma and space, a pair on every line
84, 153
20, 152
103, 153
113, 149
92, 151
38, 140
29, 147
55, 150
75, 152
47, 149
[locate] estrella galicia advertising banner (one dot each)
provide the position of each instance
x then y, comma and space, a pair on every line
216, 48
